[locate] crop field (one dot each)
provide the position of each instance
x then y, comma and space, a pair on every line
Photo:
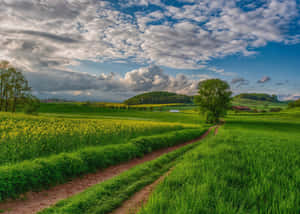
24, 137
40, 151
251, 166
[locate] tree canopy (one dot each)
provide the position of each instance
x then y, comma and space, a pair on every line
14, 88
213, 98
158, 97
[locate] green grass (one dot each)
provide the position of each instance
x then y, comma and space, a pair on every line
258, 104
108, 195
41, 173
251, 166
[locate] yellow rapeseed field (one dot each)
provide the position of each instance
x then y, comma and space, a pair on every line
25, 137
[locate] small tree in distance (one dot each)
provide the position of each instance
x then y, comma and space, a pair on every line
214, 96
15, 90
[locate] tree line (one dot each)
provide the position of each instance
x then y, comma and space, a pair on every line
15, 90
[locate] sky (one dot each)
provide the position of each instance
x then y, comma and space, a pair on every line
110, 50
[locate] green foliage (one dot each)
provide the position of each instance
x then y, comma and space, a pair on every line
158, 97
294, 104
213, 99
257, 96
32, 105
14, 88
108, 195
251, 166
44, 172
275, 109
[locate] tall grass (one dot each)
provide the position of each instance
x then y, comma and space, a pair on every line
252, 166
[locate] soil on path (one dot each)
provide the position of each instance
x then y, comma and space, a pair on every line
135, 203
32, 202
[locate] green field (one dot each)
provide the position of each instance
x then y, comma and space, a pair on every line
258, 104
251, 166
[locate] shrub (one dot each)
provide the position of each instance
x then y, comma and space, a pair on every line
275, 109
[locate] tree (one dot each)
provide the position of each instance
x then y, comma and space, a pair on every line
213, 99
32, 104
14, 88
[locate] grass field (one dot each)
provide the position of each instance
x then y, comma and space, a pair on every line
252, 166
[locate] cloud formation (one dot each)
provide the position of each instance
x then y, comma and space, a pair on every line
46, 37
264, 79
239, 81
151, 78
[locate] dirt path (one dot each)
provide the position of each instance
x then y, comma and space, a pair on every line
135, 203
32, 202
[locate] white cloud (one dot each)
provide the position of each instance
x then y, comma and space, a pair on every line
151, 78
47, 36
264, 79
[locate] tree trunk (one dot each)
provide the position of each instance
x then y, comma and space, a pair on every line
14, 104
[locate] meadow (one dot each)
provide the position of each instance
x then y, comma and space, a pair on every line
251, 166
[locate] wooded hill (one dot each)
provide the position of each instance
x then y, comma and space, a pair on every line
158, 97
258, 97
294, 104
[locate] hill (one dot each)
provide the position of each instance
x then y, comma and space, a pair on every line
258, 97
294, 104
258, 101
158, 97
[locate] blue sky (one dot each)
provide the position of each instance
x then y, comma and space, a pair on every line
111, 50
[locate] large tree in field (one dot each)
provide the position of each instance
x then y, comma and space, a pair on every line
213, 99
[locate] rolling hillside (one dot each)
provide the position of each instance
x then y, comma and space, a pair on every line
158, 97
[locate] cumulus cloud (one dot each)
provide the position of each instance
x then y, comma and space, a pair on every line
151, 78
66, 31
264, 79
46, 37
239, 81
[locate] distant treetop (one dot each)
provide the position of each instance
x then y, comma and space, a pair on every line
158, 97
257, 96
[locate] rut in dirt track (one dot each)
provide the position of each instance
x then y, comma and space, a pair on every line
33, 202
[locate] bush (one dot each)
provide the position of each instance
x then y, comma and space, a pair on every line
275, 109
32, 106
